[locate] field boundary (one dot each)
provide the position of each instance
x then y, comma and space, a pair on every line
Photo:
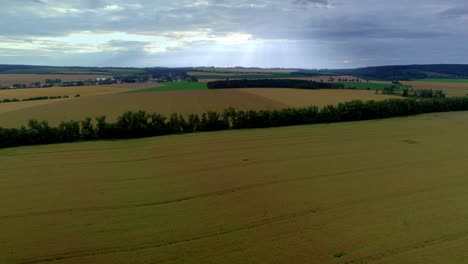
142, 124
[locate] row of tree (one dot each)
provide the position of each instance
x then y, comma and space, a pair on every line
143, 124
272, 83
37, 98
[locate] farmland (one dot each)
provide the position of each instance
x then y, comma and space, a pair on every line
71, 91
445, 80
185, 102
300, 98
44, 70
10, 79
449, 88
173, 86
242, 70
359, 192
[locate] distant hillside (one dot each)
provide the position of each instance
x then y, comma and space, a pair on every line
30, 69
399, 72
408, 72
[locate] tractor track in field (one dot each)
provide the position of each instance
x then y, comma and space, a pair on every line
171, 201
191, 197
415, 246
245, 227
111, 250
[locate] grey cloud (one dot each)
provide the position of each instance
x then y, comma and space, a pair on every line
455, 12
325, 31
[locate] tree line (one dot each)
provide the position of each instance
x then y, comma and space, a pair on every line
272, 83
142, 124
37, 98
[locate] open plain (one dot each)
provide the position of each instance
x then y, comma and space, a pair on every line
359, 192
184, 102
10, 79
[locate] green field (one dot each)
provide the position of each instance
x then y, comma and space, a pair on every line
195, 86
174, 86
367, 86
211, 69
358, 192
444, 80
250, 76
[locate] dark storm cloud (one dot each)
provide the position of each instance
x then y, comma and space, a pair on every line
305, 33
460, 11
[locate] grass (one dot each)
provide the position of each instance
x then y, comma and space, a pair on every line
367, 86
174, 86
444, 80
210, 69
251, 76
286, 195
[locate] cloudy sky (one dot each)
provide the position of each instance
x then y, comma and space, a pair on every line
263, 33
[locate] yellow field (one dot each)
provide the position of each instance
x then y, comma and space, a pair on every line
450, 89
300, 98
184, 102
70, 91
10, 79
61, 91
12, 107
386, 191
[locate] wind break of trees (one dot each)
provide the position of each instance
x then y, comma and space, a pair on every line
142, 124
271, 83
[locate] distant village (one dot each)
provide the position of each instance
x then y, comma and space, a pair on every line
104, 81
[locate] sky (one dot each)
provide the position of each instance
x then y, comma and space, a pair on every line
313, 34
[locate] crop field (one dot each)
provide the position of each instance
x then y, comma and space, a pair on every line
445, 80
83, 91
16, 106
198, 73
450, 88
358, 192
187, 102
173, 86
367, 86
70, 91
241, 70
217, 76
327, 78
300, 98
220, 77
10, 79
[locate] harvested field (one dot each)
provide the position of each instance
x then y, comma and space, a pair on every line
299, 98
358, 192
163, 102
185, 102
71, 91
84, 91
10, 79
450, 88
11, 107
